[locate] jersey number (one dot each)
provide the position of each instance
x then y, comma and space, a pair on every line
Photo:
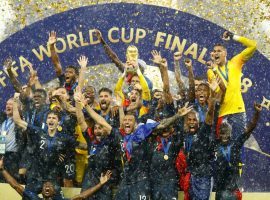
42, 144
70, 168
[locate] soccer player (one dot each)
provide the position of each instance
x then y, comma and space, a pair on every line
48, 190
232, 107
51, 147
101, 154
195, 158
135, 183
69, 78
227, 158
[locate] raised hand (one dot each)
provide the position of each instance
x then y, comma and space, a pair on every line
131, 66
78, 96
227, 36
98, 34
163, 63
185, 110
8, 63
104, 178
52, 38
177, 56
188, 63
16, 96
82, 61
214, 83
257, 107
157, 59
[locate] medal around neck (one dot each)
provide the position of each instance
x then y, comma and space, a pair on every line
166, 157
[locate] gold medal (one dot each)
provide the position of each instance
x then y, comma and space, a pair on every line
4, 133
59, 128
166, 157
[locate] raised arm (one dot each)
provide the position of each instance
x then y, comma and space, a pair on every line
118, 87
253, 123
177, 72
10, 180
83, 64
169, 121
16, 84
163, 67
16, 115
89, 192
79, 104
191, 93
79, 98
98, 119
54, 56
34, 78
209, 118
251, 45
110, 52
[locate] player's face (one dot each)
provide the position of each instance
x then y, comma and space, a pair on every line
99, 131
225, 135
70, 75
105, 100
202, 94
89, 94
52, 121
219, 55
192, 122
135, 80
9, 108
48, 190
134, 96
39, 99
129, 124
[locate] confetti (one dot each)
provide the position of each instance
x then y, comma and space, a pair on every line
248, 18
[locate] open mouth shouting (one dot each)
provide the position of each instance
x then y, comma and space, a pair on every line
127, 128
103, 104
192, 128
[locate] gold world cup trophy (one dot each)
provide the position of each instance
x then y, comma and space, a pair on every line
132, 55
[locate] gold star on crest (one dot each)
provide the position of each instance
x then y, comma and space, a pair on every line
265, 103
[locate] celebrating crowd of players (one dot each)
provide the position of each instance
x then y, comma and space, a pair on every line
136, 142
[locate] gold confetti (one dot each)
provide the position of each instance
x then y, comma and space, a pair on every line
248, 18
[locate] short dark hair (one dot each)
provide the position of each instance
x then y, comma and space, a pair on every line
89, 86
220, 45
204, 84
104, 89
55, 113
75, 69
225, 124
42, 91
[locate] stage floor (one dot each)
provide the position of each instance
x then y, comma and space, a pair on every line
8, 193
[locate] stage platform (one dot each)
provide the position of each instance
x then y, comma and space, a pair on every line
8, 193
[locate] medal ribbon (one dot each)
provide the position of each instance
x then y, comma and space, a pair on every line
225, 76
227, 154
188, 142
7, 124
165, 146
